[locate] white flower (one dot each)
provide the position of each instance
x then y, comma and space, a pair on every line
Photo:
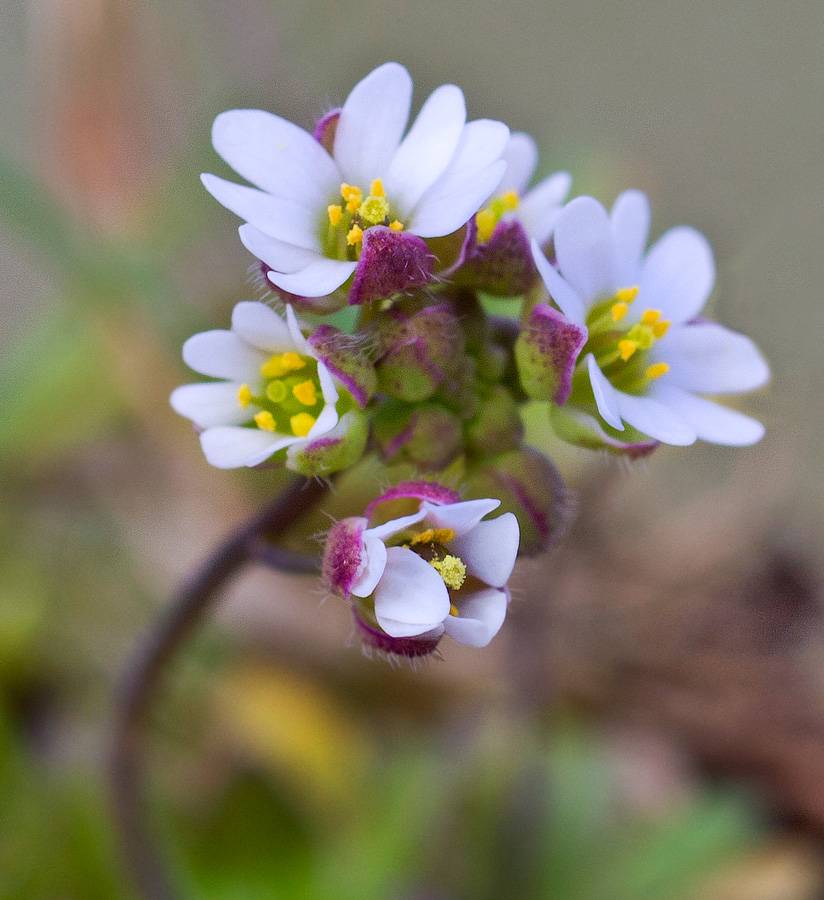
439, 570
537, 209
647, 358
276, 393
309, 210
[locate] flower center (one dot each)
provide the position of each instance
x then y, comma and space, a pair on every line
620, 351
348, 220
291, 398
431, 546
489, 216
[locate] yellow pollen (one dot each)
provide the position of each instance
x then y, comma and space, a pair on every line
651, 316
376, 188
396, 225
350, 192
335, 214
659, 329
433, 536
627, 348
453, 610
302, 424
510, 200
374, 210
486, 220
355, 235
265, 420
657, 370
276, 391
627, 294
619, 310
306, 393
281, 363
452, 570
244, 396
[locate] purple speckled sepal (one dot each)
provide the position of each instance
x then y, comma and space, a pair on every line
345, 360
391, 262
411, 647
318, 306
502, 266
416, 490
546, 352
343, 554
324, 132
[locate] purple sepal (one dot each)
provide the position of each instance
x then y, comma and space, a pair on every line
318, 306
416, 490
546, 352
502, 266
411, 647
343, 554
345, 360
324, 132
391, 262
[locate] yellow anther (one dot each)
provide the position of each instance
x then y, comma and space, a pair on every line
433, 536
374, 210
302, 424
276, 391
376, 188
486, 220
396, 225
355, 235
293, 362
453, 610
335, 213
650, 316
306, 393
659, 329
349, 191
510, 200
627, 348
619, 310
265, 420
452, 570
657, 370
627, 294
281, 363
244, 395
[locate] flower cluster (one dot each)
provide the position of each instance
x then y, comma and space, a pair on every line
414, 227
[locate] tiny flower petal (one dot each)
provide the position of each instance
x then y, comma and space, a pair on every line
655, 419
561, 291
280, 255
711, 421
411, 597
222, 354
460, 517
584, 248
479, 618
521, 158
261, 327
210, 403
489, 549
629, 220
321, 277
606, 397
230, 447
540, 208
374, 558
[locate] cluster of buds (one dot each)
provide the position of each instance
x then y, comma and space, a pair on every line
415, 228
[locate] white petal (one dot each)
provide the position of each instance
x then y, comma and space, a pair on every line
427, 150
564, 295
711, 359
521, 158
318, 279
629, 220
223, 354
327, 385
677, 275
584, 249
296, 335
711, 421
210, 404
480, 618
276, 155
326, 421
283, 219
541, 207
653, 418
371, 124
393, 526
482, 143
260, 326
460, 517
606, 397
490, 549
411, 598
374, 563
230, 447
276, 254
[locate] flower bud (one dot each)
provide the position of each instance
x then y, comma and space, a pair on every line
337, 449
497, 427
428, 435
546, 352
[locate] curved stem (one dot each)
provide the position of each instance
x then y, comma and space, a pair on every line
142, 676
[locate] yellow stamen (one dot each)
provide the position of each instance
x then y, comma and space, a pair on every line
657, 370
265, 420
486, 221
353, 196
281, 363
396, 225
627, 348
335, 213
306, 393
452, 570
651, 316
453, 610
276, 391
376, 188
302, 424
627, 294
659, 329
619, 310
433, 536
355, 235
244, 396
510, 200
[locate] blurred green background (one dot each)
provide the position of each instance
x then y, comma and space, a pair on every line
649, 723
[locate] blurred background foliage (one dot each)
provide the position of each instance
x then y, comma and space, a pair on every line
650, 722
